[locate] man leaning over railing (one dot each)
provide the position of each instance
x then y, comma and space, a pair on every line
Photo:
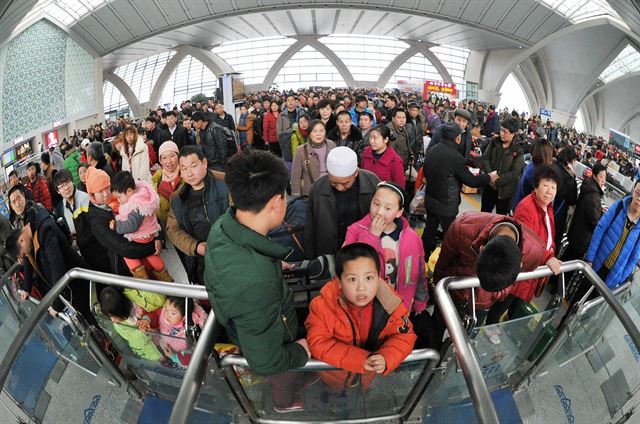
243, 275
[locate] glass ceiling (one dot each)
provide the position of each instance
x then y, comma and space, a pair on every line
581, 10
627, 61
67, 12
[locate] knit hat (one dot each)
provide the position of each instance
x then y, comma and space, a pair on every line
511, 124
342, 162
168, 146
450, 131
97, 180
85, 143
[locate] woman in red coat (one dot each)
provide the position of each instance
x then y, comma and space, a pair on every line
536, 212
381, 159
269, 133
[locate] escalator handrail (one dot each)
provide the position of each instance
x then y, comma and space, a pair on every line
169, 289
465, 353
317, 365
195, 374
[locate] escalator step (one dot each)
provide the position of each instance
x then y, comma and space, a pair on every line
157, 411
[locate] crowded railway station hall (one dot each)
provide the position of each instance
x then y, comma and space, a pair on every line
265, 211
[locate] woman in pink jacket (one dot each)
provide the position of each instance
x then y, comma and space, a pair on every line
399, 247
381, 159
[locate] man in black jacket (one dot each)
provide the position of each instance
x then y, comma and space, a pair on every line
47, 257
174, 132
336, 201
222, 118
217, 142
445, 170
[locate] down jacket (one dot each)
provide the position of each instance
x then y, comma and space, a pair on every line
412, 286
332, 338
461, 247
585, 218
606, 236
529, 214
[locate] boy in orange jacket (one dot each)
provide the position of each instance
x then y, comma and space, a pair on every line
358, 323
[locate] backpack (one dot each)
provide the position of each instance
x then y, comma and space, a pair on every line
291, 232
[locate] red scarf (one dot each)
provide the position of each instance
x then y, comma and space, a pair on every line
166, 188
304, 132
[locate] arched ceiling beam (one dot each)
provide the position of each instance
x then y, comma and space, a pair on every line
164, 76
212, 61
609, 84
282, 60
126, 91
413, 49
556, 36
634, 113
596, 72
347, 76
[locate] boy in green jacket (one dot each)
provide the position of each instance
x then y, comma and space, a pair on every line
243, 274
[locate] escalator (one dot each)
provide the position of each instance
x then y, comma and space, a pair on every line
558, 365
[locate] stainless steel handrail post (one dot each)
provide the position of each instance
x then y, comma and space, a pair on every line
429, 355
466, 355
169, 289
30, 324
195, 374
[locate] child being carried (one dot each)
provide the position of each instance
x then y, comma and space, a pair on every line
137, 221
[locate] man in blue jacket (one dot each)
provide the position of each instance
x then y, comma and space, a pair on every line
615, 245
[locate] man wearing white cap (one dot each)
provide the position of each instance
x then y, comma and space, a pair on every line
336, 201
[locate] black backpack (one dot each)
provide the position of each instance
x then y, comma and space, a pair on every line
291, 232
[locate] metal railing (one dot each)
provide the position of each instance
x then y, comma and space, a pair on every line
465, 353
229, 361
168, 289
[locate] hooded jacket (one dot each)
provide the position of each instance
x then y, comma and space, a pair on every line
585, 217
461, 247
145, 202
412, 286
389, 167
606, 236
445, 170
333, 339
40, 191
243, 276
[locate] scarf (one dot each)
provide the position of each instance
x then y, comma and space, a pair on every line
167, 187
170, 176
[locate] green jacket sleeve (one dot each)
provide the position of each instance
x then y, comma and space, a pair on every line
139, 342
149, 301
261, 331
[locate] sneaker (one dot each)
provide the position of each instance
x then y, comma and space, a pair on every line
493, 335
296, 406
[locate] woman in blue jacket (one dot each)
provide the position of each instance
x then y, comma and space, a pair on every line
615, 246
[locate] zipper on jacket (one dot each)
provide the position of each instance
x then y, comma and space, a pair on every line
204, 204
284, 320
